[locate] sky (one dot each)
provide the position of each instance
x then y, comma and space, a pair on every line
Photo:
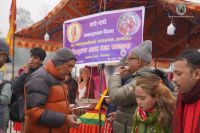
36, 8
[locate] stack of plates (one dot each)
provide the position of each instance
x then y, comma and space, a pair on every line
88, 103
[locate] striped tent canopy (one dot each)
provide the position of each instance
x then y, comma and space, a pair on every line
156, 23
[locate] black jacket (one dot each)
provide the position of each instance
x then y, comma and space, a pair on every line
19, 82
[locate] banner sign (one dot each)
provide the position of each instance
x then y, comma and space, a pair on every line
104, 37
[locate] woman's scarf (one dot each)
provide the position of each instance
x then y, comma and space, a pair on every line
142, 119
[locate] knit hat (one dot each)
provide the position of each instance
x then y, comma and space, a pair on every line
2, 50
62, 56
143, 51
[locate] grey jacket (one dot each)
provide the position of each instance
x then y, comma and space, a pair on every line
5, 97
123, 96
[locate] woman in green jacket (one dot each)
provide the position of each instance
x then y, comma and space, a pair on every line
156, 106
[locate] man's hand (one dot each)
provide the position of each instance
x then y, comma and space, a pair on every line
26, 69
73, 121
111, 116
121, 69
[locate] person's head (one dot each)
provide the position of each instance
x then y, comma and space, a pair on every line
140, 56
37, 56
151, 92
64, 61
187, 70
4, 58
84, 73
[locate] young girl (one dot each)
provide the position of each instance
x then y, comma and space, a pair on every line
156, 106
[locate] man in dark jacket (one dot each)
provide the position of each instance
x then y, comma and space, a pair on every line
37, 56
47, 105
5, 93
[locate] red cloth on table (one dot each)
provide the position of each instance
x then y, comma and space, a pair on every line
108, 127
86, 128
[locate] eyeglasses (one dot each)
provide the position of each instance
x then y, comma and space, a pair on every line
131, 58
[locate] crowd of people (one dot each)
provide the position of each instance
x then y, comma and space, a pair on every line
141, 100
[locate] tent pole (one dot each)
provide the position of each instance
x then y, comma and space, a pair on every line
100, 91
188, 38
101, 69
